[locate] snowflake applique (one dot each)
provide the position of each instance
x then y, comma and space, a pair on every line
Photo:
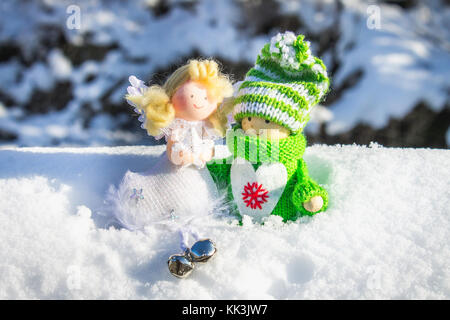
173, 217
254, 195
137, 195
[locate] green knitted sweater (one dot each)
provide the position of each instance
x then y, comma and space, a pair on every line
299, 188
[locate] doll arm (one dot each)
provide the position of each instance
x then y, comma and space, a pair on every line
307, 193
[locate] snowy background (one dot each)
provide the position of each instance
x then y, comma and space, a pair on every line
62, 82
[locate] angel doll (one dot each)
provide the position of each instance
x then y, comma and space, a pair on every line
178, 188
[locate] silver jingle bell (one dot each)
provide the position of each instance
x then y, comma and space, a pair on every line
202, 250
180, 265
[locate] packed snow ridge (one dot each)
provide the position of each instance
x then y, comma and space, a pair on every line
385, 235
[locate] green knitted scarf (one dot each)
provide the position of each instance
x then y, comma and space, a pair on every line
258, 150
288, 151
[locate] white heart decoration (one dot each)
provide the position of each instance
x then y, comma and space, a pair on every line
256, 193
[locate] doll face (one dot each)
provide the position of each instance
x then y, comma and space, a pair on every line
191, 102
259, 126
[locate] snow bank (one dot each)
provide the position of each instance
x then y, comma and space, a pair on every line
385, 235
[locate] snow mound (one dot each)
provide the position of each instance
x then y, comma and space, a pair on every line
385, 235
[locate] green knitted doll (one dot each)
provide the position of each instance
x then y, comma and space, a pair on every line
266, 173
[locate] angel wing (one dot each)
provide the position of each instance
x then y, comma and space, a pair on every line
137, 88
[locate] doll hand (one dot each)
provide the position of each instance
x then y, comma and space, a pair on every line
186, 158
207, 155
174, 157
181, 158
309, 198
177, 154
314, 204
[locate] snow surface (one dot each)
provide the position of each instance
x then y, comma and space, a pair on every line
385, 235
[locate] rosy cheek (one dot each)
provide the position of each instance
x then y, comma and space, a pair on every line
180, 102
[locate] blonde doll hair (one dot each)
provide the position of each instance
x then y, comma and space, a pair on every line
156, 100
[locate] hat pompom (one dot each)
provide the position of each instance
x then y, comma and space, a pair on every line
287, 50
303, 53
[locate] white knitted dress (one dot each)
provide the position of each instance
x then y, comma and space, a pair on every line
168, 192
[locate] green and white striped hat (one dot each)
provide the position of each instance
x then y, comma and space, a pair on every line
284, 85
